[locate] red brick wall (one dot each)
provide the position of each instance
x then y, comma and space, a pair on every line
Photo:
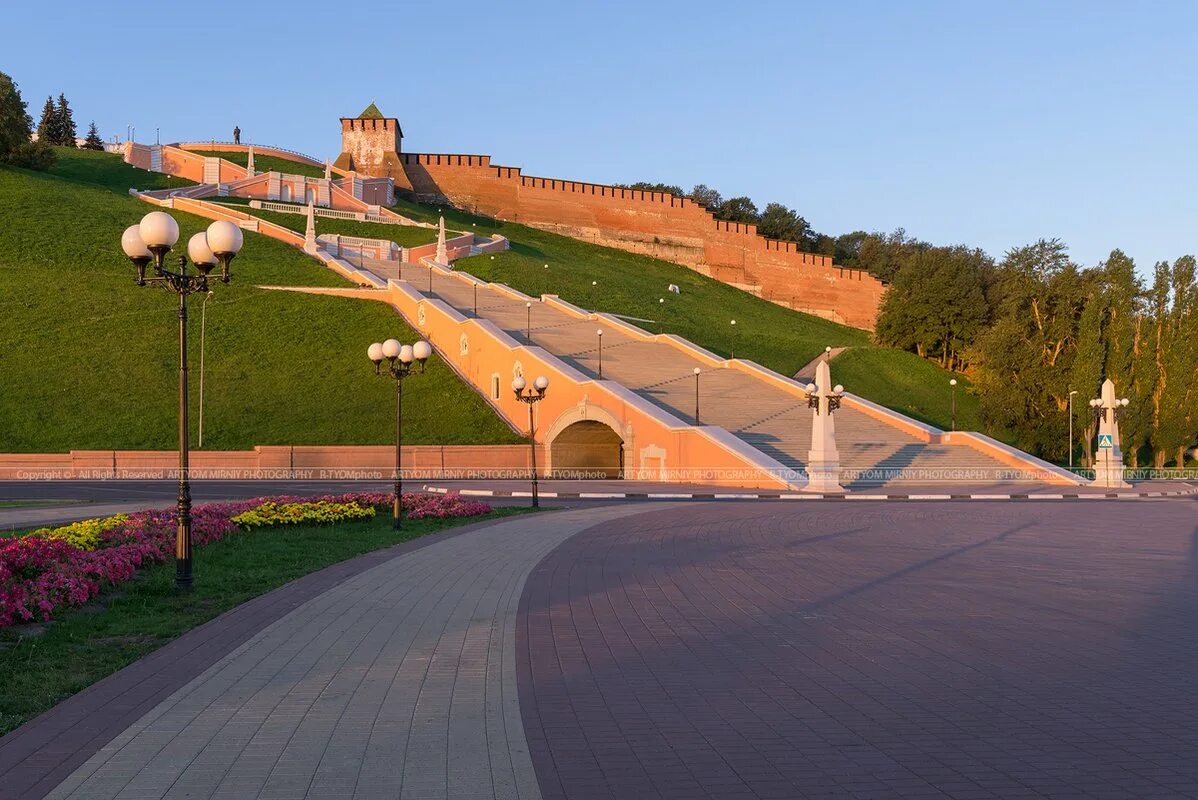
652, 223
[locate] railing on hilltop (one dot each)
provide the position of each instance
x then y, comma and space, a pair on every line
199, 145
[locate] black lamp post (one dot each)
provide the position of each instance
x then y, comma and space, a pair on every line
531, 396
599, 333
150, 241
697, 370
401, 358
732, 354
953, 383
528, 321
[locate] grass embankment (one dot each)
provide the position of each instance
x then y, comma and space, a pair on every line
402, 235
90, 359
776, 337
267, 163
82, 645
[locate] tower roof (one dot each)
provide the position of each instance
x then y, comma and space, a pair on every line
371, 112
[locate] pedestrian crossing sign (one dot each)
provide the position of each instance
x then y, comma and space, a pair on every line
1105, 441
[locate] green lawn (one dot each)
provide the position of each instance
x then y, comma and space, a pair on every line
109, 171
267, 163
90, 359
403, 235
82, 645
771, 335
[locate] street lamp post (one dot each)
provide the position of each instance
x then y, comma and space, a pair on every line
401, 358
476, 301
600, 335
733, 353
203, 325
952, 382
430, 277
661, 313
528, 321
531, 396
696, 371
1071, 393
150, 241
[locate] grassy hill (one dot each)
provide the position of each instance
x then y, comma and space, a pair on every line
89, 359
607, 279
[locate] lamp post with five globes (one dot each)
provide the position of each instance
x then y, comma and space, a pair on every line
401, 358
531, 396
150, 241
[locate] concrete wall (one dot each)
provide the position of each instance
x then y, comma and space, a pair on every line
282, 461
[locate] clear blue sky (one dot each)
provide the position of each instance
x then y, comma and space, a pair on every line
991, 124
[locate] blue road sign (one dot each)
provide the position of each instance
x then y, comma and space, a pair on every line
1105, 441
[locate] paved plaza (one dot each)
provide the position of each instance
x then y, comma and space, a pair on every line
685, 650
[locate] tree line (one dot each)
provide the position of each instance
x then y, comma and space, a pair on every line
56, 128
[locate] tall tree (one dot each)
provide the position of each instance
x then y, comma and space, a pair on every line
93, 140
1177, 429
706, 196
48, 129
1085, 374
737, 209
66, 122
937, 304
1023, 357
780, 222
1126, 350
14, 117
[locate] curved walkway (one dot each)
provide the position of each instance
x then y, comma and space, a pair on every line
767, 651
398, 682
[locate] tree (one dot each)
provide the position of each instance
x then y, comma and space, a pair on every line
14, 118
879, 254
66, 123
93, 140
737, 209
48, 129
1023, 357
1085, 374
937, 304
780, 222
706, 196
645, 186
1177, 426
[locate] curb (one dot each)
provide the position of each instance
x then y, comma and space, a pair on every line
794, 496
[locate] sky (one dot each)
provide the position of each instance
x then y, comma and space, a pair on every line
987, 124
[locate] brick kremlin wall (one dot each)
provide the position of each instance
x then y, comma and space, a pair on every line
652, 223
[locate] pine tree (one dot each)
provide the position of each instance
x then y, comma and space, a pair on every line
14, 119
48, 128
66, 123
93, 141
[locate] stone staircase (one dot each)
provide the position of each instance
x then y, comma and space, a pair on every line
763, 414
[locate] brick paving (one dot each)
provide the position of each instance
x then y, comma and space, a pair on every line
397, 681
743, 650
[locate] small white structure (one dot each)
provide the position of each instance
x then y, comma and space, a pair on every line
249, 162
674, 288
310, 232
328, 170
823, 459
1108, 460
442, 254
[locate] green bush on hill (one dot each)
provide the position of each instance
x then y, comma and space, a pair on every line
403, 235
90, 358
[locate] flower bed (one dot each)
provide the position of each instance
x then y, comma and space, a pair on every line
67, 566
322, 512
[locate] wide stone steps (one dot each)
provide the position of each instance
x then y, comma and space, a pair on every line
763, 415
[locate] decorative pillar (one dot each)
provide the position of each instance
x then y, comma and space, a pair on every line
310, 232
823, 459
328, 170
249, 162
1108, 460
442, 255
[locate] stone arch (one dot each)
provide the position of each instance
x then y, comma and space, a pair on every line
587, 439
